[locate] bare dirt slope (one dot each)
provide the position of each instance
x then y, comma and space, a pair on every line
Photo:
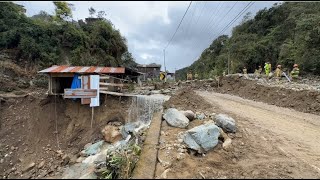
295, 133
28, 131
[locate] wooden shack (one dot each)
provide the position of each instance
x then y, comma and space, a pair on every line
110, 79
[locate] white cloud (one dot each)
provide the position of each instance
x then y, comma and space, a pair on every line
146, 56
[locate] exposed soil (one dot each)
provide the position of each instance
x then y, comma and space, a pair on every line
28, 131
187, 99
258, 151
304, 100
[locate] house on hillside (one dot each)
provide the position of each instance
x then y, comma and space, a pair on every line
86, 82
149, 70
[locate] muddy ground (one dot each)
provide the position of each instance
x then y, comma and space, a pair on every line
253, 154
28, 131
305, 100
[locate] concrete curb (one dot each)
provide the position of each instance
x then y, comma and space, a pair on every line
146, 166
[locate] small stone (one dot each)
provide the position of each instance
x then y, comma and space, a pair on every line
180, 156
1, 161
41, 164
29, 167
65, 159
234, 160
12, 148
80, 159
181, 150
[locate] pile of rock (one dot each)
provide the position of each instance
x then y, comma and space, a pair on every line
204, 137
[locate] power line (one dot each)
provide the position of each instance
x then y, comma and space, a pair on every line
178, 26
224, 16
185, 25
214, 17
187, 31
200, 13
237, 17
205, 27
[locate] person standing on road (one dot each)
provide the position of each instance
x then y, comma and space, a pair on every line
295, 72
278, 73
267, 68
245, 72
260, 70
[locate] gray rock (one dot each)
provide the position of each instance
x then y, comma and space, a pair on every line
66, 159
176, 118
202, 138
80, 171
200, 116
189, 114
93, 149
127, 129
226, 122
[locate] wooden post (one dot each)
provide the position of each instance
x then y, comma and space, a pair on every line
92, 116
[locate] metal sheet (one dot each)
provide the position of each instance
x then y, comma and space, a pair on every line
49, 69
84, 69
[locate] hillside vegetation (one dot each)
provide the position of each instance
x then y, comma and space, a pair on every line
44, 40
284, 34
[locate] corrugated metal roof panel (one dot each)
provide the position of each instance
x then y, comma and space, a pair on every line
83, 69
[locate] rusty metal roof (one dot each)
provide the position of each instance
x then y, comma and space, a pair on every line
84, 69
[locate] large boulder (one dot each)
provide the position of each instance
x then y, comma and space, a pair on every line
111, 133
202, 138
176, 118
189, 114
226, 122
127, 129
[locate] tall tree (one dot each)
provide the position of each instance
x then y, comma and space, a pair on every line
62, 10
92, 11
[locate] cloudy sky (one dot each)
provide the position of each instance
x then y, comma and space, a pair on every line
149, 25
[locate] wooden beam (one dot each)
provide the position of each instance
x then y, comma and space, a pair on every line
115, 93
104, 77
111, 84
80, 93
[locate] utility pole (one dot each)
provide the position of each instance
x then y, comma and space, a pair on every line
164, 63
228, 60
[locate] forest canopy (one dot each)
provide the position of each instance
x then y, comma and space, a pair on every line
284, 34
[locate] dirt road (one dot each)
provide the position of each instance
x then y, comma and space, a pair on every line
295, 134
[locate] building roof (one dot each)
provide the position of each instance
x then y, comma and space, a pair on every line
149, 65
84, 69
